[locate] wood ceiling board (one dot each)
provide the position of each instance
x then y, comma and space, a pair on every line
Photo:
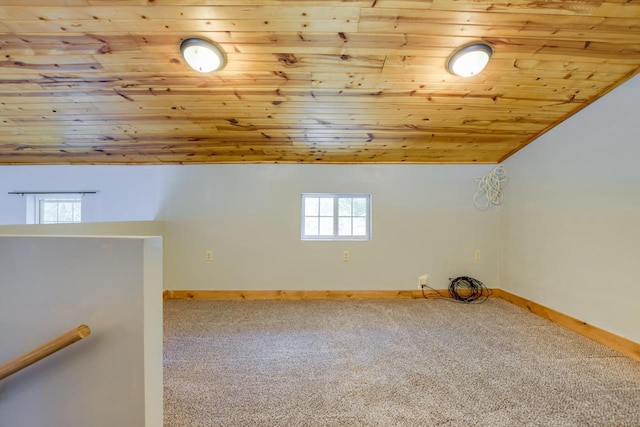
82, 81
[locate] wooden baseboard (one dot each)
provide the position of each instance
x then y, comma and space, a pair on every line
627, 347
300, 295
620, 344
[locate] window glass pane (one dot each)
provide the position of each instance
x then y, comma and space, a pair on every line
359, 206
49, 212
77, 212
311, 226
359, 226
311, 206
65, 212
344, 206
344, 226
326, 206
326, 226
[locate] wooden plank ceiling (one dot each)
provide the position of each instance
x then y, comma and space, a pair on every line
354, 81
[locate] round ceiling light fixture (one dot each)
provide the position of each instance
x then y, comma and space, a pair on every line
203, 55
469, 60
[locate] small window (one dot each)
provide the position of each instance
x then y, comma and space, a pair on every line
336, 217
54, 209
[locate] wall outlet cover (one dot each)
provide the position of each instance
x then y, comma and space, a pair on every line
423, 280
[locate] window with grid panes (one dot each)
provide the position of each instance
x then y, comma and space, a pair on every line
54, 209
336, 216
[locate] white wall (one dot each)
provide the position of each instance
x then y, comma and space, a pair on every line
125, 193
570, 222
249, 216
124, 228
113, 377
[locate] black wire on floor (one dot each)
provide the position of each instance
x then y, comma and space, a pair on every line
474, 291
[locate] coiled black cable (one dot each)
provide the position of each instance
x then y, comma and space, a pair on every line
473, 290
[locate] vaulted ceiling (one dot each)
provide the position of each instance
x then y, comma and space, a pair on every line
354, 81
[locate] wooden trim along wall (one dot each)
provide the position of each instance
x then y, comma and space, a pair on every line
627, 347
300, 295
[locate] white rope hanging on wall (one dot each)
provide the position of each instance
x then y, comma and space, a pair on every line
490, 189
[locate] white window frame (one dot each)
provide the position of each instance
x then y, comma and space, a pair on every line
335, 236
35, 202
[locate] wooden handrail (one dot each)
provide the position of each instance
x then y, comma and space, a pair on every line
44, 350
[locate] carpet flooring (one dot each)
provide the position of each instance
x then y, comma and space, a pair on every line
387, 363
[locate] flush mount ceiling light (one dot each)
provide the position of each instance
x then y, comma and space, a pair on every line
202, 55
469, 60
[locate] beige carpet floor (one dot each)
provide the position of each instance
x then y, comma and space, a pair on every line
387, 363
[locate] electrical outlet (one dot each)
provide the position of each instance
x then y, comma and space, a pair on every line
423, 281
345, 256
478, 256
208, 256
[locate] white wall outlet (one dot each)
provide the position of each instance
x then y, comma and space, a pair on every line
423, 281
208, 256
478, 256
345, 256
